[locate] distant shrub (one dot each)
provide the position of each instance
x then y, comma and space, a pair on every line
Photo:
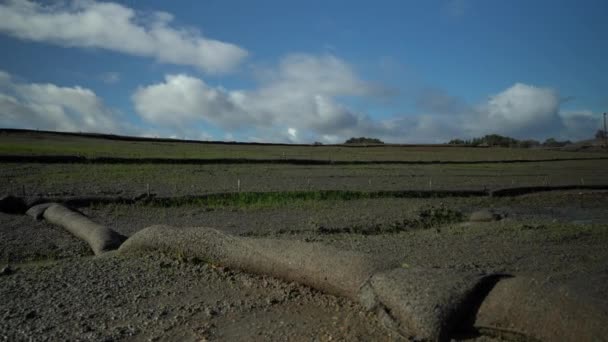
551, 142
364, 140
528, 143
488, 140
457, 142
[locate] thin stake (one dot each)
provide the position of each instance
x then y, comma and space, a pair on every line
605, 133
238, 185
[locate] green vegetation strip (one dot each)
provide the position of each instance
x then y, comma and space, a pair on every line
261, 199
273, 199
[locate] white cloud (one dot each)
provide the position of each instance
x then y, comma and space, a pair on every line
521, 110
300, 94
181, 100
292, 134
48, 106
302, 100
111, 26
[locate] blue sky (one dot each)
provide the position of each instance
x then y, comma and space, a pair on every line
304, 71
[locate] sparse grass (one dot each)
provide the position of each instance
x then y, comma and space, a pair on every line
427, 217
277, 199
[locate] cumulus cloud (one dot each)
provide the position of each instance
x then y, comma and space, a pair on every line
111, 26
297, 99
521, 110
48, 106
181, 100
304, 99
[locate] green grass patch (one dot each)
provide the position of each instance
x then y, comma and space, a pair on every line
261, 199
278, 199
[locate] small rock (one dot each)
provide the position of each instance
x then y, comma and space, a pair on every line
272, 301
210, 312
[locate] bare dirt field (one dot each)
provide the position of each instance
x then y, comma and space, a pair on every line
55, 289
177, 180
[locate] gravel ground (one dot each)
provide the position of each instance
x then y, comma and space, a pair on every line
23, 239
156, 298
55, 289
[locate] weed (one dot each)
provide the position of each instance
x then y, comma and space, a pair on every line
436, 216
427, 218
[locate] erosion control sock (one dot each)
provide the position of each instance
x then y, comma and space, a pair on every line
100, 238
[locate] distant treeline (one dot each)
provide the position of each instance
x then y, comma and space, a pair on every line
364, 140
502, 141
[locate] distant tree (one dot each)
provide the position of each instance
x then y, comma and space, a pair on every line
318, 143
488, 140
496, 140
499, 140
364, 140
600, 134
457, 142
